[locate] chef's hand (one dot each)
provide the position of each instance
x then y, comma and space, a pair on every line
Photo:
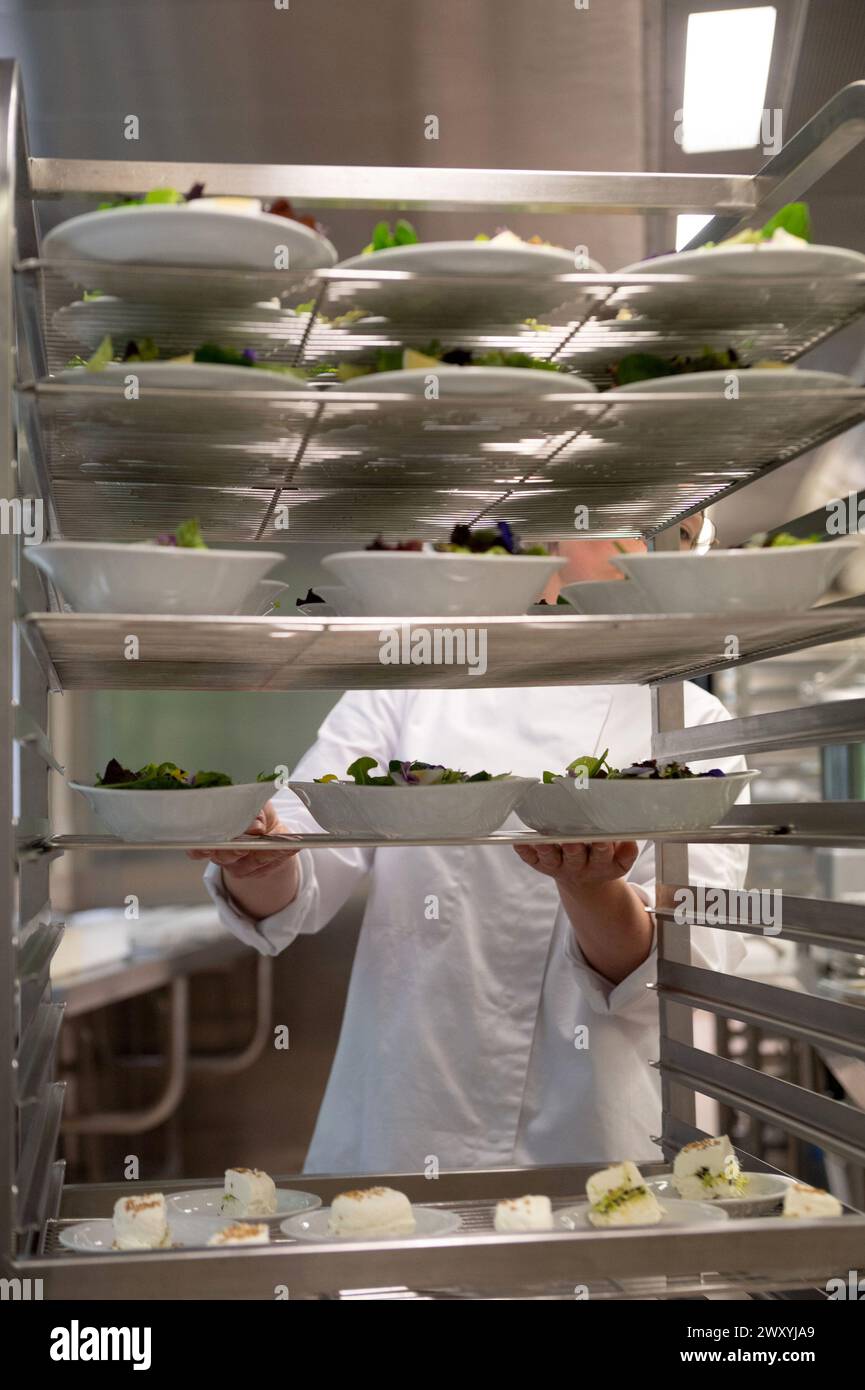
576, 865
259, 881
610, 921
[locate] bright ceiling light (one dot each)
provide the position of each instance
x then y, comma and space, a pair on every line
688, 224
726, 70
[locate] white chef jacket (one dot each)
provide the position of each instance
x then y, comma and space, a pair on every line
458, 1038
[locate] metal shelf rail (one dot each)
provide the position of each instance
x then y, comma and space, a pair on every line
55, 648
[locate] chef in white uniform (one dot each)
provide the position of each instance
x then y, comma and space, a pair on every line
498, 1011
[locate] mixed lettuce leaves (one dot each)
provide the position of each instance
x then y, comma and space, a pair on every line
499, 539
164, 777
401, 772
187, 536
792, 220
587, 765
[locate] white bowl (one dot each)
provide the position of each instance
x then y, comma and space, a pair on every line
97, 577
625, 805
452, 811
737, 581
512, 382
207, 815
607, 596
413, 583
262, 599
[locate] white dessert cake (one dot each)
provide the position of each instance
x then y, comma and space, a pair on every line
141, 1223
810, 1202
708, 1169
524, 1214
242, 1233
248, 1192
619, 1197
371, 1211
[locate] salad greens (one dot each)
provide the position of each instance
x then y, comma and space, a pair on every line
403, 773
763, 541
162, 777
383, 238
187, 536
487, 540
397, 359
792, 220
598, 768
146, 350
165, 777
646, 366
163, 196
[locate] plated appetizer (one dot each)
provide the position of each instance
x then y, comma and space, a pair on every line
524, 1214
242, 1233
145, 806
175, 572
411, 800
802, 1202
593, 797
248, 1192
773, 580
141, 1223
144, 351
473, 574
521, 276
618, 1196
169, 229
709, 1170
371, 1213
782, 246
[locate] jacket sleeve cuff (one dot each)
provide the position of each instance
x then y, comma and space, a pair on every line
630, 995
272, 934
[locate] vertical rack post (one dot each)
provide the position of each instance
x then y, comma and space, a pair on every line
671, 871
9, 116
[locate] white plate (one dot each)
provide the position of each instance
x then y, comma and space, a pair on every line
678, 1213
205, 376
764, 1195
216, 238
206, 1202
97, 1237
452, 811
431, 1221
763, 259
466, 299
763, 381
262, 327
108, 577
400, 583
775, 580
635, 806
473, 381
207, 815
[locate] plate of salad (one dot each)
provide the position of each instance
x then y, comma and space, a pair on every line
168, 228
482, 571
162, 802
459, 372
782, 246
210, 366
591, 795
176, 572
410, 799
495, 278
262, 327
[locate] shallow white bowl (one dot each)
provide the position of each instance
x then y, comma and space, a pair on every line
207, 815
471, 381
737, 581
613, 806
412, 583
97, 577
393, 813
262, 599
607, 596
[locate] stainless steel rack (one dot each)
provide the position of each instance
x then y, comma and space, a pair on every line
118, 479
